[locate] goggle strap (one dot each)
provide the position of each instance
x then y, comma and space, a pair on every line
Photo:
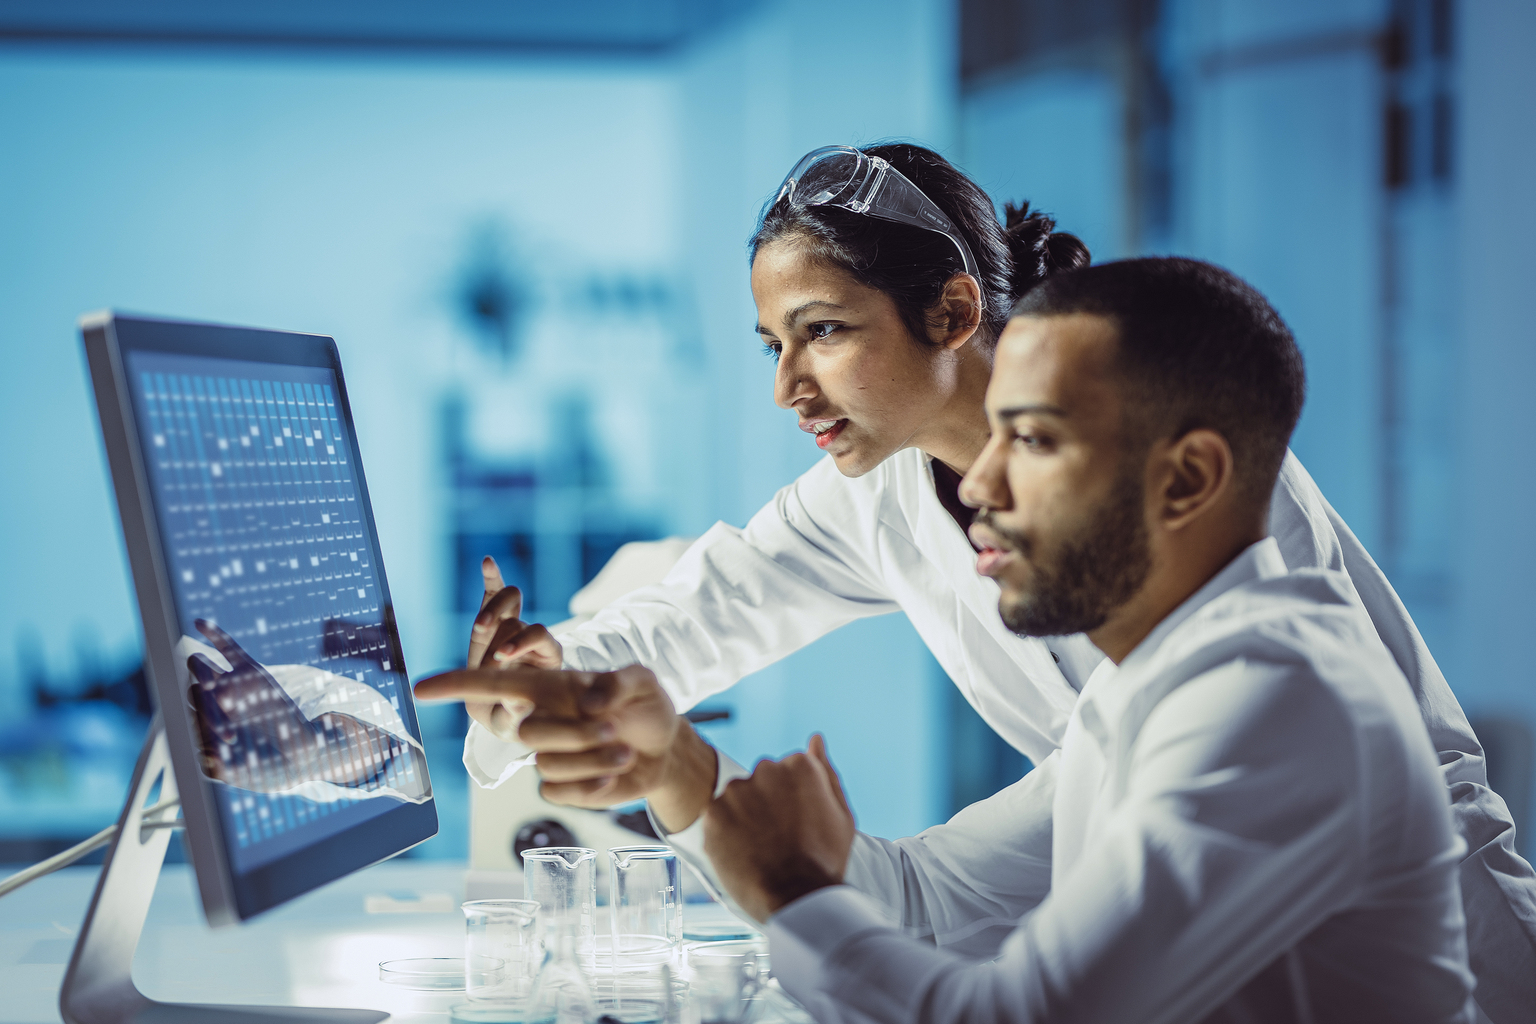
874, 170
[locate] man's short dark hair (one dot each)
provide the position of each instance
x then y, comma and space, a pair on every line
1198, 347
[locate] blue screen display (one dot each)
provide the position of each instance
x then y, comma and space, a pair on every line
292, 680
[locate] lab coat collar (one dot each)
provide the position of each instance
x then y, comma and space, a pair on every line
1260, 561
941, 540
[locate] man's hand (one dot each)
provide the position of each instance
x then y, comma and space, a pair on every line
602, 738
781, 834
500, 632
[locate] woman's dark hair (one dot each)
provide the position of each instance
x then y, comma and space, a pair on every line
912, 265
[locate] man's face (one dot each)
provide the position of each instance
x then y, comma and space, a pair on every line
1062, 521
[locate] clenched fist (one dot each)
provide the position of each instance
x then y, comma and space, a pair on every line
782, 833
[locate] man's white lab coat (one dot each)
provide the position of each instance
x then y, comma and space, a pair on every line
1245, 822
829, 549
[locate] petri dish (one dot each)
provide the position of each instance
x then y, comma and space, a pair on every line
510, 1012
718, 931
440, 973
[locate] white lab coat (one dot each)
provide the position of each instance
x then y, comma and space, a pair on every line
1245, 821
829, 549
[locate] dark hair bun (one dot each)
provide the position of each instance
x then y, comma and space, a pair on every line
1037, 249
1065, 251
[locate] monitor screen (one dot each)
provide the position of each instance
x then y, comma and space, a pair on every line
287, 663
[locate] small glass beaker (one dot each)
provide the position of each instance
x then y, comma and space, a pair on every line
562, 989
643, 899
651, 995
507, 931
562, 880
726, 978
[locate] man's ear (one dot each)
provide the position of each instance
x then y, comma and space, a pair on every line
956, 317
1193, 473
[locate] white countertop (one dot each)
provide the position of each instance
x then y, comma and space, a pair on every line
322, 949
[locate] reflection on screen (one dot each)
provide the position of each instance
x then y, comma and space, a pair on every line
289, 680
296, 729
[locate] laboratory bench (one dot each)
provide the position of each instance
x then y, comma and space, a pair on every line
322, 949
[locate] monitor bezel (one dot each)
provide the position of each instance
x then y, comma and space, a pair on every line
228, 897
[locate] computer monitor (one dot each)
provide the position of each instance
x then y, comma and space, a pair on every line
269, 641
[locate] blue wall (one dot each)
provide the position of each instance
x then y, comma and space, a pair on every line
350, 195
354, 194
1493, 493
1406, 295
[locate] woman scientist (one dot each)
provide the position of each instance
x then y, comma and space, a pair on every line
882, 281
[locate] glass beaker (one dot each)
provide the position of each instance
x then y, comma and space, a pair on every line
643, 899
505, 930
651, 995
727, 977
562, 989
562, 880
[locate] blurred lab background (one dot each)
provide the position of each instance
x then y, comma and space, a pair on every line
524, 224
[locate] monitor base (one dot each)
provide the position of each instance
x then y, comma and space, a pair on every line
151, 1012
98, 986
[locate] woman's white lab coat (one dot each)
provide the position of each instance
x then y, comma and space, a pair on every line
829, 549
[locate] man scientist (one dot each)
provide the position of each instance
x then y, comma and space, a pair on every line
1245, 819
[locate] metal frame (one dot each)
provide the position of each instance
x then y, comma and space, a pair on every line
205, 833
98, 985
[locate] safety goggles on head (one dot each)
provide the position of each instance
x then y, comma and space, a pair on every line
853, 180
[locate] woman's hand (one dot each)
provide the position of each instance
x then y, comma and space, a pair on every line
500, 632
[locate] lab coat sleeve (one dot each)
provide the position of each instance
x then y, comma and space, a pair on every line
689, 842
1498, 885
963, 885
490, 760
737, 601
1226, 849
740, 600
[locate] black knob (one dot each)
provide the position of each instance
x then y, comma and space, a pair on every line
536, 835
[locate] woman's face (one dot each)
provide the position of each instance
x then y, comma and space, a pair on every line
861, 385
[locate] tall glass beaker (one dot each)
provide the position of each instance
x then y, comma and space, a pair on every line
647, 917
563, 881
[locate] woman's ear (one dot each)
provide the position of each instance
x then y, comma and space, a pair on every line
956, 317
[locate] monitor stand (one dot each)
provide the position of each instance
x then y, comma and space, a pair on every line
98, 987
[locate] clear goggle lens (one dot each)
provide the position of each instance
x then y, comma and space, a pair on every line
844, 177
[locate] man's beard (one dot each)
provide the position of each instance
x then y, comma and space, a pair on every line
1081, 580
